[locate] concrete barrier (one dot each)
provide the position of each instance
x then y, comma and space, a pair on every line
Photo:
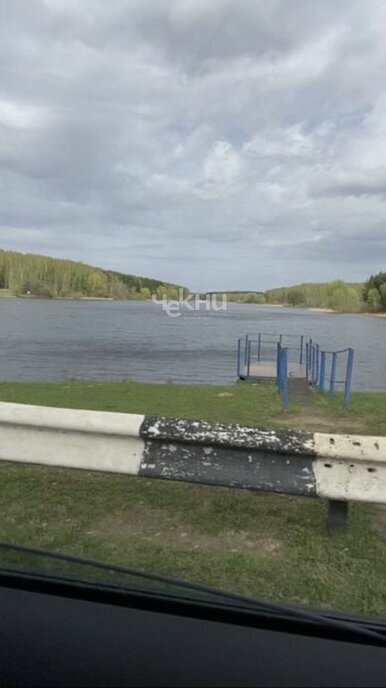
339, 468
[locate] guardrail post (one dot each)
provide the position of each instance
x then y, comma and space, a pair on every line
333, 374
322, 370
238, 357
337, 516
347, 384
301, 349
258, 347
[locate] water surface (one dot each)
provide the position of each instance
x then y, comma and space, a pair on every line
42, 340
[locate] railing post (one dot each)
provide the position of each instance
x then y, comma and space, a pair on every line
307, 360
278, 364
347, 384
282, 374
246, 350
280, 369
301, 349
316, 378
285, 379
238, 357
333, 375
322, 370
259, 347
312, 363
248, 357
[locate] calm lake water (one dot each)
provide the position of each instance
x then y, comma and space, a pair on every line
60, 340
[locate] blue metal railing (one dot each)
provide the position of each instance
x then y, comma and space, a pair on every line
268, 348
322, 370
263, 348
282, 374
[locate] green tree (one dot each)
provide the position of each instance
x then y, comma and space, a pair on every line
97, 284
374, 300
296, 297
382, 292
374, 292
344, 299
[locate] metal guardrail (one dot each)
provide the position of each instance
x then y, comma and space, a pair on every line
339, 468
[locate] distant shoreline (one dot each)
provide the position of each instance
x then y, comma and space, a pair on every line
322, 310
33, 297
309, 308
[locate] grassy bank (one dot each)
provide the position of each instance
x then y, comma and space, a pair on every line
267, 546
243, 403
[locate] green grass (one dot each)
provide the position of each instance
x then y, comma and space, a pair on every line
366, 414
6, 294
267, 546
246, 404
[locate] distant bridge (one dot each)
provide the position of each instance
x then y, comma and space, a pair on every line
236, 291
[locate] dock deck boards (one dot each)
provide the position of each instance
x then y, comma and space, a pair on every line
267, 369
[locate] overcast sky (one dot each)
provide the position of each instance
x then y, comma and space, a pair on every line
214, 143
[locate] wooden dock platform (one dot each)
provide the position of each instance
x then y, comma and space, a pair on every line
267, 370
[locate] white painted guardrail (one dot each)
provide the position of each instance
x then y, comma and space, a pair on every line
339, 468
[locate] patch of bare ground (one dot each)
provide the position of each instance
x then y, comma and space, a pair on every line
315, 423
161, 528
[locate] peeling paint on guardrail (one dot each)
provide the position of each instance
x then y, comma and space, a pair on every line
335, 467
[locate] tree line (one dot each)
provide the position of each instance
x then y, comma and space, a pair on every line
337, 295
343, 297
29, 274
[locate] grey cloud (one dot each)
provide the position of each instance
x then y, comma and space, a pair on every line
153, 136
366, 182
198, 33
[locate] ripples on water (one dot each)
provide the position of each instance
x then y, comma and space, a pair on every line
58, 340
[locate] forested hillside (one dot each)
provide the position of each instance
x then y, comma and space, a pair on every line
343, 297
28, 274
23, 274
337, 295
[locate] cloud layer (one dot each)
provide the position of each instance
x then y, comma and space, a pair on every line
219, 144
